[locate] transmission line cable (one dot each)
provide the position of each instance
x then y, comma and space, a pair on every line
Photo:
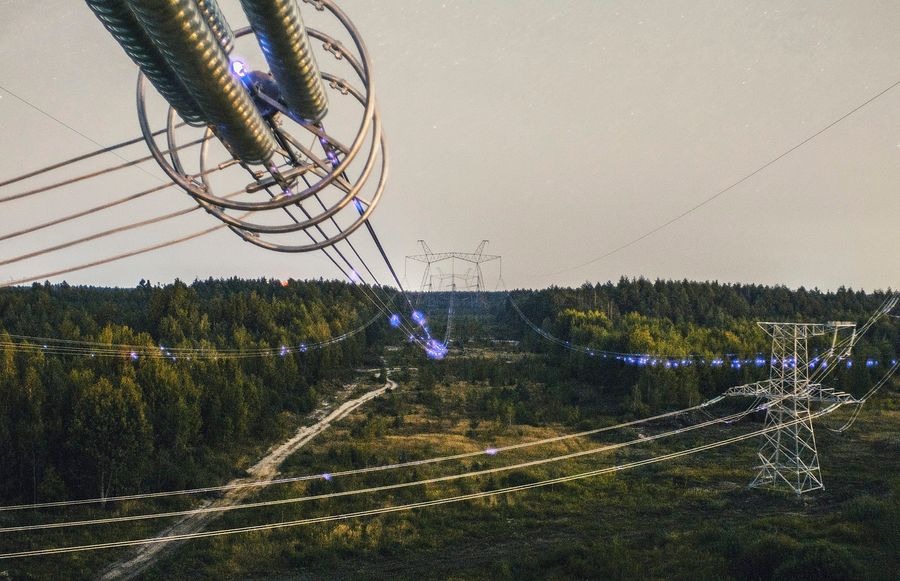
386, 487
82, 213
410, 506
883, 309
862, 401
98, 235
93, 174
79, 158
128, 163
142, 352
115, 257
106, 149
730, 187
369, 469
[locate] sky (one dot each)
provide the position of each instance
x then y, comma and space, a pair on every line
558, 130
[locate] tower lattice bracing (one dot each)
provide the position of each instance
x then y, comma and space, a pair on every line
788, 456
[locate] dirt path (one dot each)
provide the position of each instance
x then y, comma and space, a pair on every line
266, 469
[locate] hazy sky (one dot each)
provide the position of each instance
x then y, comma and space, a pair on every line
556, 129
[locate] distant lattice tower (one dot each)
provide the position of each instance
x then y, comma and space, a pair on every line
476, 259
788, 456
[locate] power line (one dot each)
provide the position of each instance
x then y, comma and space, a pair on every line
79, 158
101, 234
135, 352
386, 487
114, 257
883, 381
733, 360
93, 174
83, 213
727, 189
403, 507
374, 297
104, 148
117, 230
367, 470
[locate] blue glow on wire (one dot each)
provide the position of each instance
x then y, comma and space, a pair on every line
329, 152
239, 68
434, 349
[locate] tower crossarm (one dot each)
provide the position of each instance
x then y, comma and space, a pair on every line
464, 256
800, 330
814, 392
819, 393
426, 258
475, 258
763, 388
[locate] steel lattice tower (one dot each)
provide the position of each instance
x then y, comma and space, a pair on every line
788, 455
476, 259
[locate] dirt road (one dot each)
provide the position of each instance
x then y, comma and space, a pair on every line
266, 469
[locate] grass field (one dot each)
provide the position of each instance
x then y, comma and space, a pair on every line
693, 517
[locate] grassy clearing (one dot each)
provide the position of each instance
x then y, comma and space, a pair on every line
690, 518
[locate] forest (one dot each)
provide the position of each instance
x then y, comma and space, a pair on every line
77, 426
73, 426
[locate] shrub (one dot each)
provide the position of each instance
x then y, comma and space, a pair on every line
821, 561
760, 559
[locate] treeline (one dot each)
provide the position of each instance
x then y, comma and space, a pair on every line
670, 318
634, 315
76, 425
681, 317
709, 303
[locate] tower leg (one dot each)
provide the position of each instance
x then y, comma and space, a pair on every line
788, 456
